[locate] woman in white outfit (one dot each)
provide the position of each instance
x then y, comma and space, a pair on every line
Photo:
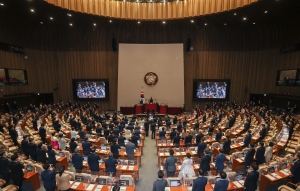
187, 170
269, 152
127, 133
19, 131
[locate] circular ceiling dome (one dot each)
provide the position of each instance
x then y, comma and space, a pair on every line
148, 10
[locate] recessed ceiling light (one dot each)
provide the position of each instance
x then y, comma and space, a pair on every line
266, 11
1, 4
41, 23
192, 21
139, 22
225, 24
164, 22
110, 21
95, 24
51, 18
234, 13
31, 10
205, 24
71, 24
254, 23
244, 18
69, 14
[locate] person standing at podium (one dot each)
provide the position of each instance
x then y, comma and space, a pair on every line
151, 100
153, 126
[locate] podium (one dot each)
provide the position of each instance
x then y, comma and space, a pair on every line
150, 106
138, 109
163, 109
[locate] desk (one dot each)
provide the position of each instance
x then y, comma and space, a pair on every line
66, 132
126, 110
62, 161
80, 187
209, 187
238, 163
163, 155
273, 178
174, 110
33, 179
138, 109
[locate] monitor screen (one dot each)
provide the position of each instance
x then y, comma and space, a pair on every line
78, 178
90, 89
61, 154
29, 168
221, 145
207, 89
103, 147
174, 183
271, 169
131, 162
85, 158
286, 77
124, 182
241, 155
79, 144
101, 181
283, 165
196, 148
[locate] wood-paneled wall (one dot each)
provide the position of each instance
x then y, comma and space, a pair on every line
248, 55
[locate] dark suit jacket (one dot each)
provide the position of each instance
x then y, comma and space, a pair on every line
201, 148
48, 177
25, 148
4, 165
204, 163
247, 140
16, 170
41, 155
77, 160
93, 161
73, 146
13, 134
162, 134
199, 183
110, 165
295, 171
221, 185
188, 139
153, 125
220, 162
51, 156
32, 148
121, 140
218, 136
249, 157
260, 155
42, 132
176, 140
251, 181
172, 135
263, 133
246, 126
114, 148
226, 146
86, 146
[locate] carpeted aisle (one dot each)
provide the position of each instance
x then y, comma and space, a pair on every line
149, 167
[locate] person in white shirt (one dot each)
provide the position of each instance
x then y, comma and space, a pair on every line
269, 152
186, 169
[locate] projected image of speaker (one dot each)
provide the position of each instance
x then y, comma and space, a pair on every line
90, 89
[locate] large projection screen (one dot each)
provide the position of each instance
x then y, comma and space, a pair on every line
136, 60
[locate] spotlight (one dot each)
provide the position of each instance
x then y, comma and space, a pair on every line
254, 23
205, 24
31, 10
69, 15
95, 24
51, 18
164, 22
225, 24
234, 13
71, 24
192, 21
244, 18
1, 4
41, 23
139, 22
110, 21
266, 11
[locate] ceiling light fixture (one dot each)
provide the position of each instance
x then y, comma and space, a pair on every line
225, 24
266, 11
95, 24
41, 23
205, 24
234, 13
164, 22
32, 10
192, 21
1, 4
254, 23
139, 22
244, 18
51, 18
71, 24
110, 21
69, 15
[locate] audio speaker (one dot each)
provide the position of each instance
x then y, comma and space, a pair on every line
188, 44
114, 44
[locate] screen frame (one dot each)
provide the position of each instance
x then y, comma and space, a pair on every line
195, 83
296, 79
74, 84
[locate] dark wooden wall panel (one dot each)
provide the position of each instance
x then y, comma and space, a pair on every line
248, 55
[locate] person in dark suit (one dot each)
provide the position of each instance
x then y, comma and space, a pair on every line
51, 156
250, 183
130, 147
200, 182
262, 133
81, 134
247, 139
16, 169
249, 156
162, 134
199, 136
25, 148
14, 135
134, 140
150, 100
205, 162
146, 125
260, 154
204, 118
219, 135
222, 184
170, 164
4, 167
179, 127
121, 140
295, 170
42, 133
172, 134
115, 148
188, 139
41, 154
110, 165
176, 140
160, 184
247, 125
175, 120
153, 126
221, 158
201, 147
86, 146
93, 161
73, 145
32, 149
48, 177
226, 145
77, 161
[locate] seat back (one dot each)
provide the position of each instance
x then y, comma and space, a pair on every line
127, 177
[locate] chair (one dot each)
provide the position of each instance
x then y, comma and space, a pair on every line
287, 188
10, 188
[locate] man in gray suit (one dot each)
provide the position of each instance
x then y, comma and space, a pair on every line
160, 183
170, 162
130, 150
